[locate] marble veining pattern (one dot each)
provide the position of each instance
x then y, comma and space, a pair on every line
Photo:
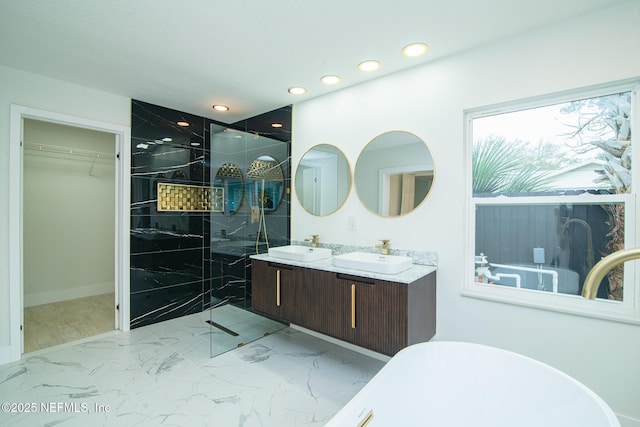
185, 262
161, 375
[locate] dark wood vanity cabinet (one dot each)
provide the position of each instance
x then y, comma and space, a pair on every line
275, 289
373, 313
282, 291
380, 315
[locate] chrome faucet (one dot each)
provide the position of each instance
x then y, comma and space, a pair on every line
384, 246
315, 240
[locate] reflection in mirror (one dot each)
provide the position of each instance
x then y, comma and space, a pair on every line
394, 173
323, 179
265, 182
229, 177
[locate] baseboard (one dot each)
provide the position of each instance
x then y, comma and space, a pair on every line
67, 294
347, 345
628, 421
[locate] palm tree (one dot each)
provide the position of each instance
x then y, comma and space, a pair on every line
504, 167
609, 119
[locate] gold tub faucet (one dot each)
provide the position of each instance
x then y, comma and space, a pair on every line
602, 267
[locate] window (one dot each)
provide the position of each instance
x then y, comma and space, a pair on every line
551, 194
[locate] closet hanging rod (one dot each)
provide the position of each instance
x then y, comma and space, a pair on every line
68, 151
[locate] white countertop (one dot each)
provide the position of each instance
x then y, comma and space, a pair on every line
417, 271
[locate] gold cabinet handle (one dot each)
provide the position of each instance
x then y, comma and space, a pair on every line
278, 288
366, 420
353, 306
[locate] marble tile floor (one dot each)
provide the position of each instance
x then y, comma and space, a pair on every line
162, 375
48, 325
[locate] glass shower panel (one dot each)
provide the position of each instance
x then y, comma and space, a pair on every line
240, 230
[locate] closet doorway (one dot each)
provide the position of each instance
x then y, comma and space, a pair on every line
68, 233
69, 220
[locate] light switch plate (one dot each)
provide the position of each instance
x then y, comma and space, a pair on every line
351, 223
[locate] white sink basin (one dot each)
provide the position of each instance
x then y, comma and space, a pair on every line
375, 263
300, 253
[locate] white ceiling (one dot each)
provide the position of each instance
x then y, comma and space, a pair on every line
191, 54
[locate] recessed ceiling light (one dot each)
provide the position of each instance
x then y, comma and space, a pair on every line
195, 144
330, 80
167, 139
142, 145
369, 65
183, 124
276, 125
297, 90
221, 108
415, 49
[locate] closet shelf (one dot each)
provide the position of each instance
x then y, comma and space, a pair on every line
57, 151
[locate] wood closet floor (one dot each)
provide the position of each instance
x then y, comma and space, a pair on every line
61, 322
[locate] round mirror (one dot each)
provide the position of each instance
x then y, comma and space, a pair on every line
229, 177
265, 183
394, 173
323, 180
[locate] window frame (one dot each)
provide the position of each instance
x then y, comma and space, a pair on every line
627, 310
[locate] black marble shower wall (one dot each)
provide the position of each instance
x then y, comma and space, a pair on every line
171, 253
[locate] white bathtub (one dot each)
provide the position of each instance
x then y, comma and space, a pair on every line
568, 280
447, 384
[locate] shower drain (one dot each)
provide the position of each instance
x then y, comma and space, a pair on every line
222, 328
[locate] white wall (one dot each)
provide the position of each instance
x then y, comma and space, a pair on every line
68, 216
30, 90
429, 101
